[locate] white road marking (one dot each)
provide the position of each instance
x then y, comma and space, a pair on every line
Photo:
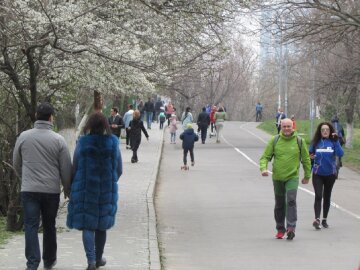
301, 188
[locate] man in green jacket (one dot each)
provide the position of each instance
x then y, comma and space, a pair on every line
287, 153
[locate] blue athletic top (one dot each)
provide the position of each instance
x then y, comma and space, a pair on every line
325, 152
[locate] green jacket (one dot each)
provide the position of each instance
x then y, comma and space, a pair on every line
286, 160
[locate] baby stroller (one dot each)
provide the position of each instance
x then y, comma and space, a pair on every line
212, 134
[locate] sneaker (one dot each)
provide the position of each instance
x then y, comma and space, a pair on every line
192, 163
324, 224
290, 234
279, 235
102, 262
316, 224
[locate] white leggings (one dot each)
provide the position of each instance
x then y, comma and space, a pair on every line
219, 127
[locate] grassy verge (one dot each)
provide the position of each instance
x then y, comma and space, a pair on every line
4, 234
351, 157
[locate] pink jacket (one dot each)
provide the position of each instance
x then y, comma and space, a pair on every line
173, 126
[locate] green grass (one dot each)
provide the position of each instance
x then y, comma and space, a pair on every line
351, 157
4, 234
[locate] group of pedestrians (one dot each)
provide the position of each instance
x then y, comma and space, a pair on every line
42, 160
189, 137
288, 151
133, 126
151, 111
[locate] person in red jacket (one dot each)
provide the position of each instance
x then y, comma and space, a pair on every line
212, 120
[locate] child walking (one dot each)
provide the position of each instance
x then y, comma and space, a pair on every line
172, 128
189, 137
162, 119
135, 128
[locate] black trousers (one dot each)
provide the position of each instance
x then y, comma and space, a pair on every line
203, 133
135, 143
323, 186
186, 150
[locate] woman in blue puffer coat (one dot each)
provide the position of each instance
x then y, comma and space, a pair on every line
97, 166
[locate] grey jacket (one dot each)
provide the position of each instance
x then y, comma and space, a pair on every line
41, 159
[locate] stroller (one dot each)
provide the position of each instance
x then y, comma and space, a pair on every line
212, 134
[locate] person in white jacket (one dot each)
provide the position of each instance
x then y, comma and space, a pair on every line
186, 118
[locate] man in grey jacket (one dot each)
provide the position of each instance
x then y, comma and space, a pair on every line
41, 159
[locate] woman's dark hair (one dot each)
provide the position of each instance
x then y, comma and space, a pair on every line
97, 124
317, 135
187, 110
221, 109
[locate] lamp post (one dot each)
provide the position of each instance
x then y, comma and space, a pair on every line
312, 96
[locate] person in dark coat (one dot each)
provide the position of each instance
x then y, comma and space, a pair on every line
158, 105
135, 127
203, 123
149, 111
116, 122
189, 137
97, 166
280, 115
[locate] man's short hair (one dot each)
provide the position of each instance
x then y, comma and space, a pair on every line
130, 106
115, 109
44, 111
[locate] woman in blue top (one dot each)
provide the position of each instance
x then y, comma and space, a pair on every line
323, 150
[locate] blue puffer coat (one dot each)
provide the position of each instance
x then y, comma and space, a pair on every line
94, 188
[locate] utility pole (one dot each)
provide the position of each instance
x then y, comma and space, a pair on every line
312, 96
280, 82
286, 80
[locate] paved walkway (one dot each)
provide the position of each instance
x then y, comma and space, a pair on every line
132, 242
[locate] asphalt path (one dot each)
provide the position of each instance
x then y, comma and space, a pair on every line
219, 214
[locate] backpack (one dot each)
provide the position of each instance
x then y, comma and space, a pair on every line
277, 137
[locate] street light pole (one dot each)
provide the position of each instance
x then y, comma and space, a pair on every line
280, 71
312, 97
286, 80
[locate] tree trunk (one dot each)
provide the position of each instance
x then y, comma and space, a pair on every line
14, 218
98, 102
349, 112
14, 221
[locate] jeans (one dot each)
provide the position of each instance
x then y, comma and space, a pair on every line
149, 117
172, 137
94, 243
35, 204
